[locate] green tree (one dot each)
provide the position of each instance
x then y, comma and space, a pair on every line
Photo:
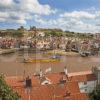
59, 34
95, 95
53, 33
6, 93
47, 34
70, 34
18, 34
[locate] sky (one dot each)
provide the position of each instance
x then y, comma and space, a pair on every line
70, 15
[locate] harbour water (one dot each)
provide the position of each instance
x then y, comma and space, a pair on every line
12, 64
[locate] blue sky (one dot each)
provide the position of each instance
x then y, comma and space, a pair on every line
71, 5
72, 15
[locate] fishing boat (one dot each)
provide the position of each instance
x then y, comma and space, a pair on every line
84, 54
40, 60
56, 56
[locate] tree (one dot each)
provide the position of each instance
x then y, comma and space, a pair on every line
54, 33
79, 35
59, 34
95, 95
70, 34
6, 93
47, 34
18, 34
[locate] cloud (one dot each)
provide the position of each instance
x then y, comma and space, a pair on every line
78, 14
4, 15
19, 11
34, 6
79, 21
6, 3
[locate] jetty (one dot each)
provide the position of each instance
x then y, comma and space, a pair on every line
63, 52
7, 51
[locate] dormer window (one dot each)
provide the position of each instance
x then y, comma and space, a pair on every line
45, 82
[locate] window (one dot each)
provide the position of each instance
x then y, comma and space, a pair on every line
85, 90
85, 83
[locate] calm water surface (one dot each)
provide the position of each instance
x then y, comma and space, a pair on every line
12, 64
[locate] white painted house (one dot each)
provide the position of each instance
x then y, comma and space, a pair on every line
86, 82
87, 86
90, 82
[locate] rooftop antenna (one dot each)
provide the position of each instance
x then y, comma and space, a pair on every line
48, 70
65, 71
41, 73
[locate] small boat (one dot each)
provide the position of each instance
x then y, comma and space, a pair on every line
40, 60
56, 57
84, 54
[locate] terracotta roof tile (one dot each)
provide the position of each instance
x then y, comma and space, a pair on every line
55, 77
55, 91
80, 96
19, 81
81, 78
73, 87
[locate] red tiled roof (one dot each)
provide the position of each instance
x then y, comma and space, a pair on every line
81, 78
54, 91
19, 81
73, 87
55, 77
80, 96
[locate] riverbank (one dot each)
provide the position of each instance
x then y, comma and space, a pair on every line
7, 51
62, 52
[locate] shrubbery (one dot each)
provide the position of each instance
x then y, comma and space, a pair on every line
6, 93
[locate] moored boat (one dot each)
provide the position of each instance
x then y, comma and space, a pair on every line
84, 54
40, 60
56, 56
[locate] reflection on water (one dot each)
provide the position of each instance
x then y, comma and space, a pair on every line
12, 64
